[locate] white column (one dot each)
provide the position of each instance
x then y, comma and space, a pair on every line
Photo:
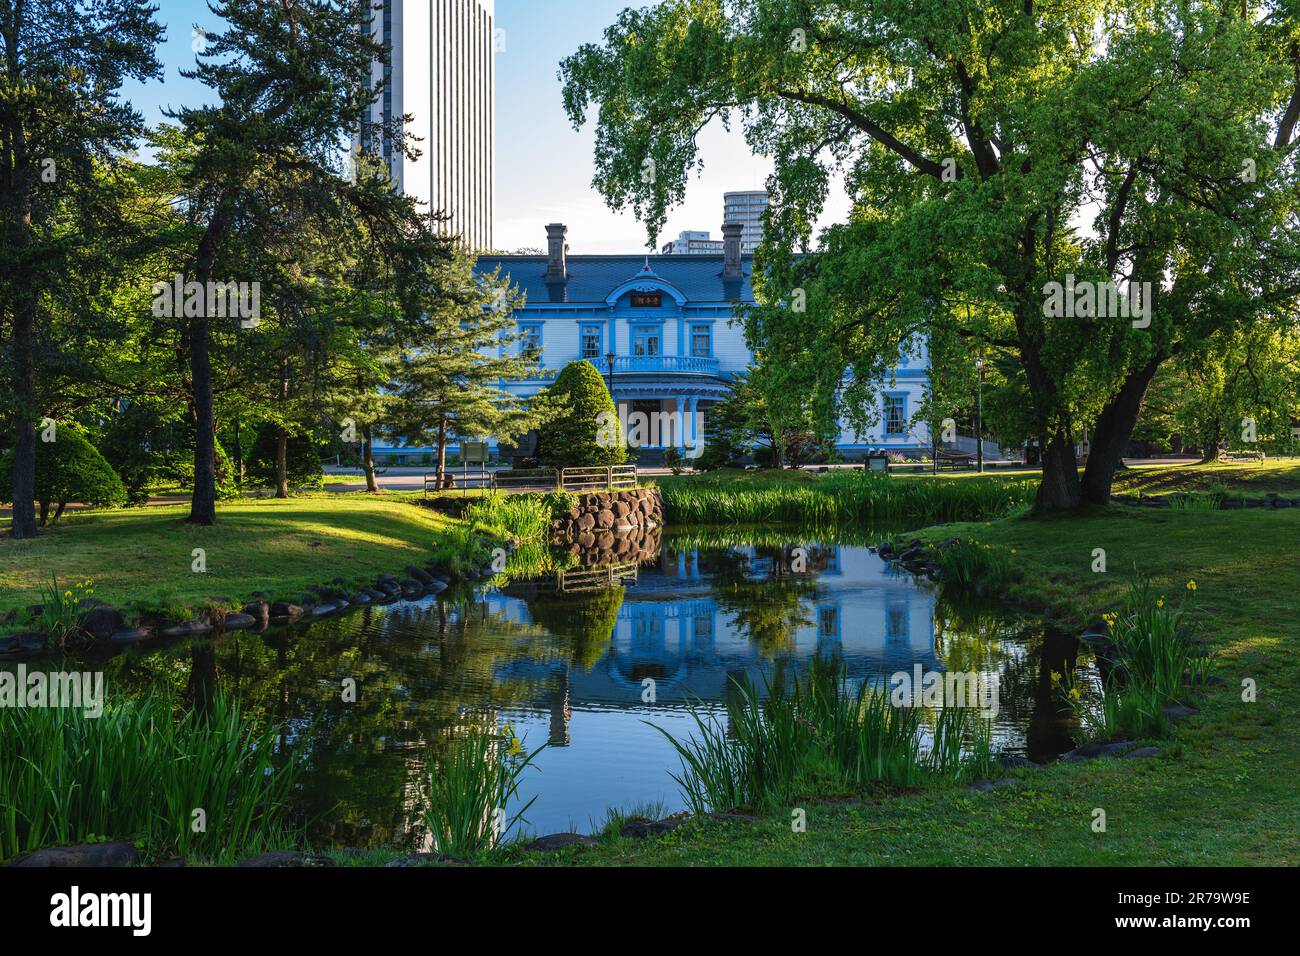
679, 431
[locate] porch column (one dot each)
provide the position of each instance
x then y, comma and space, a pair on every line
692, 438
679, 432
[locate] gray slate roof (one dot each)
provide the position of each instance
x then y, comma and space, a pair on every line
593, 278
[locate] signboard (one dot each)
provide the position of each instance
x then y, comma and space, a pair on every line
473, 452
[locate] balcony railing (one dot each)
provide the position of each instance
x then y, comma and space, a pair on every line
665, 363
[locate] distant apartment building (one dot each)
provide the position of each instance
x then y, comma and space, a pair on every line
692, 243
746, 208
441, 73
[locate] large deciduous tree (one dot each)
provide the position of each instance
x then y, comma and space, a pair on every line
991, 148
62, 64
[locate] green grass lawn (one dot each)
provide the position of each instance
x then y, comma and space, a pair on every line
142, 557
1222, 793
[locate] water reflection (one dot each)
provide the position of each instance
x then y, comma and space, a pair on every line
585, 671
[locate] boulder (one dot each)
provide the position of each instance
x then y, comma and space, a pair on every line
641, 829
1142, 753
1015, 762
239, 622
117, 853
285, 609
132, 635
260, 611
426, 859
1084, 752
188, 629
419, 574
287, 858
1179, 711
361, 597
559, 841
21, 646
102, 622
411, 586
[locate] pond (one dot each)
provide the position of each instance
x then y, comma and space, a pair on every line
592, 670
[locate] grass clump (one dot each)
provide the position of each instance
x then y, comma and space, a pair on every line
473, 780
821, 738
140, 772
968, 563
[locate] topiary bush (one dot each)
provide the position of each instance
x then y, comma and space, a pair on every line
68, 469
575, 438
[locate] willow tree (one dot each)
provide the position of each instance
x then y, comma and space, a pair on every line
990, 148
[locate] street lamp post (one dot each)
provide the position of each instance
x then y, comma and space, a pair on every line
979, 414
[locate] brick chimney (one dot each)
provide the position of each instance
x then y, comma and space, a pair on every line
557, 249
731, 232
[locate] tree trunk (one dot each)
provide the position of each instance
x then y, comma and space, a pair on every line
25, 304
281, 463
45, 512
368, 459
203, 501
442, 450
1059, 489
1210, 452
1111, 434
24, 460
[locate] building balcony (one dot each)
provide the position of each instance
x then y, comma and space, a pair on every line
666, 363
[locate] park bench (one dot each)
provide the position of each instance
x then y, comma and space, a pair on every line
1242, 455
476, 478
952, 460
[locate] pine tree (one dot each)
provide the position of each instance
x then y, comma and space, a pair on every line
61, 67
449, 372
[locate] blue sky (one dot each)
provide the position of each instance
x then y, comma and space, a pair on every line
543, 167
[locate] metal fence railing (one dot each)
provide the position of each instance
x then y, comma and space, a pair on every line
600, 478
598, 578
590, 479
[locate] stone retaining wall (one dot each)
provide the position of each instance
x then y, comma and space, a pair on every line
617, 512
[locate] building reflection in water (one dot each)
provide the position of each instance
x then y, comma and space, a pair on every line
699, 619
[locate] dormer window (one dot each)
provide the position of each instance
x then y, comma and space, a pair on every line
647, 300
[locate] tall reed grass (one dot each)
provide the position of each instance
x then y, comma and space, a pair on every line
862, 497
523, 516
473, 781
820, 737
1156, 664
139, 772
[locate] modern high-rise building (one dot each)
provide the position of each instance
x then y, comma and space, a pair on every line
746, 208
441, 73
